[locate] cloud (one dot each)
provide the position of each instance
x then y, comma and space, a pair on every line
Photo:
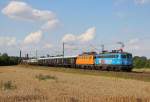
141, 1
134, 41
51, 24
132, 44
138, 2
21, 10
122, 15
84, 37
69, 38
48, 46
118, 2
88, 35
138, 46
7, 41
33, 38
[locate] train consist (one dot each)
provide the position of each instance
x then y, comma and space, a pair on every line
117, 60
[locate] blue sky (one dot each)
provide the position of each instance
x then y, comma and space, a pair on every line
83, 24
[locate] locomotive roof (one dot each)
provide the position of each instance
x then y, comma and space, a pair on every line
114, 53
105, 53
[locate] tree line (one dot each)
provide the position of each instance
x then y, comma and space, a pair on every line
8, 60
141, 62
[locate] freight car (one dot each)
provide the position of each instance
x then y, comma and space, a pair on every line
112, 61
67, 61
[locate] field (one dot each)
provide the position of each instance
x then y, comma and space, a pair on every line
45, 84
142, 70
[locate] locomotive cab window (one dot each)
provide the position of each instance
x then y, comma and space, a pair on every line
129, 56
126, 56
108, 56
123, 56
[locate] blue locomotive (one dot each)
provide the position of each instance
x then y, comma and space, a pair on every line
115, 60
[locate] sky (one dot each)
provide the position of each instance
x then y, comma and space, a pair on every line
84, 25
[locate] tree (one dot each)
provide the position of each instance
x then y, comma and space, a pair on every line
147, 63
140, 62
6, 60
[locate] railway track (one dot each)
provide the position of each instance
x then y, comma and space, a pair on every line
141, 73
143, 76
134, 73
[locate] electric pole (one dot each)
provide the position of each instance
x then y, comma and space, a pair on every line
36, 54
63, 52
63, 49
102, 46
20, 54
20, 57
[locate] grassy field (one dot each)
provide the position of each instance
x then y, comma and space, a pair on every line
45, 84
136, 75
142, 70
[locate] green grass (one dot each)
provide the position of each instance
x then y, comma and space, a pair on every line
124, 75
45, 77
141, 69
8, 85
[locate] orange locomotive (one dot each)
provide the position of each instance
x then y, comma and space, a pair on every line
86, 60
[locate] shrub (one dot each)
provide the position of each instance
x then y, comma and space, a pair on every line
45, 77
7, 85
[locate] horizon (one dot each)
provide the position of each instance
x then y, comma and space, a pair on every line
30, 25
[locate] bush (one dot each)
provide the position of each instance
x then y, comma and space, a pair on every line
45, 77
7, 85
7, 60
141, 62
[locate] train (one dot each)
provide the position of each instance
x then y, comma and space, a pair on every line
116, 60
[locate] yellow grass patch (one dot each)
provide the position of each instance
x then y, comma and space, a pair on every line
70, 87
